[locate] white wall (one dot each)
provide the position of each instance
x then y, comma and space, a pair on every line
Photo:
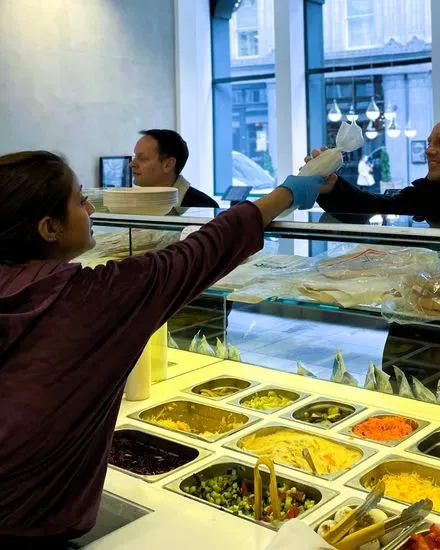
194, 89
83, 76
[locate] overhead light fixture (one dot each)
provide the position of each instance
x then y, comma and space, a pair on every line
334, 113
351, 115
393, 130
409, 131
371, 132
373, 112
390, 112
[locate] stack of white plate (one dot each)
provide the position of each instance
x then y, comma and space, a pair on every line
155, 201
96, 197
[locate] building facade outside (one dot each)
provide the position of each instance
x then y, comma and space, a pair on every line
394, 33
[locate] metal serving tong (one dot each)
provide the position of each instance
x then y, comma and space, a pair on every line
273, 489
412, 516
338, 531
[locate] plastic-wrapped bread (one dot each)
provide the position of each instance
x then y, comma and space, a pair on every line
171, 342
324, 164
195, 343
205, 348
348, 139
233, 353
422, 393
403, 386
302, 371
370, 381
338, 368
221, 350
383, 383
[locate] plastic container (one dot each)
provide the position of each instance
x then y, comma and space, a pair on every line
138, 385
159, 354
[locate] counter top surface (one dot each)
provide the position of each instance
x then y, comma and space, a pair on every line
178, 520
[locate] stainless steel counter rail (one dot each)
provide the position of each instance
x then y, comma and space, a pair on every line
340, 232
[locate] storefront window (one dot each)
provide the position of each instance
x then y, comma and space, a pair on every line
244, 96
377, 71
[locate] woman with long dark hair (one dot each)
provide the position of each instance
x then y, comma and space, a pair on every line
69, 336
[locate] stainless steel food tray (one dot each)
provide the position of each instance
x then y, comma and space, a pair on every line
393, 464
294, 395
428, 446
273, 427
222, 465
322, 402
239, 383
167, 444
420, 425
208, 416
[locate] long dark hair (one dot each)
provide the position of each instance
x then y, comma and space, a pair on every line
33, 184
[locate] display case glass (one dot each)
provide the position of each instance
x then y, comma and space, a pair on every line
319, 286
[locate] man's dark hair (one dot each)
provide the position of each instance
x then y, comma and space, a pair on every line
170, 144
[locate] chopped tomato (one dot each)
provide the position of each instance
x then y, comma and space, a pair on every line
293, 512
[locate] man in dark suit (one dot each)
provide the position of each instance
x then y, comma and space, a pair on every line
159, 158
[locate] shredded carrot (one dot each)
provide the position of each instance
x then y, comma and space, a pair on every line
385, 428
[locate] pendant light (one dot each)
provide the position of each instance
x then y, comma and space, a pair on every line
351, 115
393, 130
389, 113
371, 132
409, 131
373, 112
334, 113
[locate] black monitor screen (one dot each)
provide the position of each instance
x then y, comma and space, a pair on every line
236, 193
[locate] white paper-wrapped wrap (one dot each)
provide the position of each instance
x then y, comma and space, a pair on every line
348, 139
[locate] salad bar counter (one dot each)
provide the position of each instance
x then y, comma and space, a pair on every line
330, 444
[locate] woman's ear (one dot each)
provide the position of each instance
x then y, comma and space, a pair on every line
49, 229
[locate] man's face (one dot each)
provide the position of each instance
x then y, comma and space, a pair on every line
148, 169
433, 154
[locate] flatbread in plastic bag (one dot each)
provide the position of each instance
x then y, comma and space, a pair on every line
349, 380
370, 381
383, 383
348, 139
302, 371
403, 386
233, 353
422, 393
417, 300
221, 351
338, 369
171, 342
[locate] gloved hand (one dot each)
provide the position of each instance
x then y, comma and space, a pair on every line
305, 190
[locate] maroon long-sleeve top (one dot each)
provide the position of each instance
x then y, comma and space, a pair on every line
68, 339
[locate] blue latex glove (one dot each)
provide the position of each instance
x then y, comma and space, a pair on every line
305, 190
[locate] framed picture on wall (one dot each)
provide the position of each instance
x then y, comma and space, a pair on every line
115, 171
418, 148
